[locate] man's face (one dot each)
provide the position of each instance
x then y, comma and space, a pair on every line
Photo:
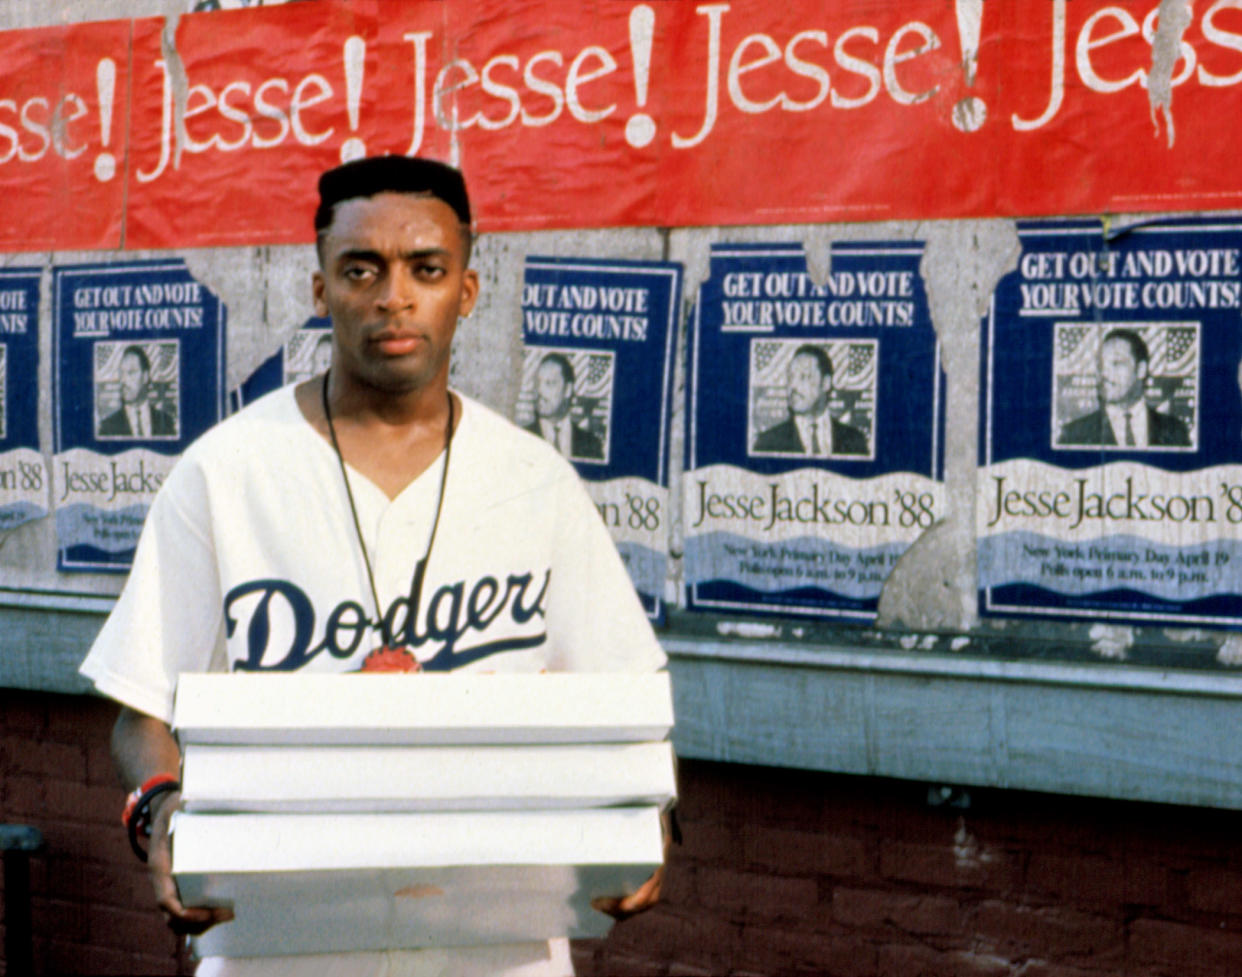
808, 388
1121, 377
394, 280
551, 391
134, 380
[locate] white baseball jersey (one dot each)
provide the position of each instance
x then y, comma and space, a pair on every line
249, 560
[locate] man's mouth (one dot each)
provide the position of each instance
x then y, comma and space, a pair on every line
397, 343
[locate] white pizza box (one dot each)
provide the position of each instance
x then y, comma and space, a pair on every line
305, 883
422, 709
378, 779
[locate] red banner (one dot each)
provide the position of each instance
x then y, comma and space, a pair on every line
63, 136
606, 113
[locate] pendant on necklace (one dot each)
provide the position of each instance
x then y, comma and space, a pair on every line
391, 659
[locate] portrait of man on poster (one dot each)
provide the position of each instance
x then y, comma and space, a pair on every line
138, 417
810, 428
554, 396
1124, 418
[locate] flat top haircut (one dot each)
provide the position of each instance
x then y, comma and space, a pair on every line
567, 369
819, 354
392, 174
140, 354
1138, 348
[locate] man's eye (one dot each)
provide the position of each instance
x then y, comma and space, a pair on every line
430, 271
357, 272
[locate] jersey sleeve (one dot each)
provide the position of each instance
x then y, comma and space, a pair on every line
167, 619
595, 620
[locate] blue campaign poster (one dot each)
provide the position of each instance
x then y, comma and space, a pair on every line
23, 478
139, 374
1110, 482
307, 353
597, 379
814, 457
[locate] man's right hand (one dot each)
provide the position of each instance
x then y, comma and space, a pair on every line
182, 920
142, 746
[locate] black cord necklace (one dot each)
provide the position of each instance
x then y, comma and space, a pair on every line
380, 621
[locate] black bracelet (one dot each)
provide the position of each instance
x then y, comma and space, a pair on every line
141, 815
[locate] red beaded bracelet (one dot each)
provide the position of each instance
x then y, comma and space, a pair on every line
138, 808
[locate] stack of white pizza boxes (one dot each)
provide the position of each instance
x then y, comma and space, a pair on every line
381, 811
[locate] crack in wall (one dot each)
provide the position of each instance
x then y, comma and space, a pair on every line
1173, 19
933, 584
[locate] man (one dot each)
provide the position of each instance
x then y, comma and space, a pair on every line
1124, 419
517, 573
137, 417
554, 391
810, 429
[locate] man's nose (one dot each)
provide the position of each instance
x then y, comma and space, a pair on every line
396, 291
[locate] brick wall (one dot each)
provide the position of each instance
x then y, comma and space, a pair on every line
781, 872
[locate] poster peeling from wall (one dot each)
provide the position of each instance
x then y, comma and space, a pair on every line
816, 428
23, 479
597, 380
305, 354
139, 374
1110, 484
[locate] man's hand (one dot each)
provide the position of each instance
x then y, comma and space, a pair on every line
647, 894
182, 920
642, 899
142, 746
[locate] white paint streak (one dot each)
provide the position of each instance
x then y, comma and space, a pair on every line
968, 854
1230, 652
1112, 641
1173, 19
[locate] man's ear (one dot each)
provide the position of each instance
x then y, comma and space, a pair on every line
317, 288
1142, 370
469, 291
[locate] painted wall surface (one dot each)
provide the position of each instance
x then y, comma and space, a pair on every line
1116, 112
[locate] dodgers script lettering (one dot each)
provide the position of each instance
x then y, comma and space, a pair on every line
449, 616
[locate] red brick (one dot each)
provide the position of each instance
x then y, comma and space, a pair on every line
91, 841
920, 961
117, 885
786, 850
707, 841
75, 801
1042, 968
145, 963
951, 865
1194, 951
781, 950
733, 793
689, 937
59, 918
688, 970
1215, 890
871, 909
1146, 883
628, 965
758, 896
584, 953
44, 758
1078, 879
24, 715
100, 770
23, 798
80, 958
1053, 932
128, 928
